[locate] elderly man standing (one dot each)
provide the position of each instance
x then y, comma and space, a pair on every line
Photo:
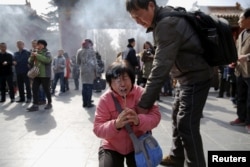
86, 59
21, 63
59, 64
242, 72
6, 73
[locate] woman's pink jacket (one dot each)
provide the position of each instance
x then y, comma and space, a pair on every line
106, 114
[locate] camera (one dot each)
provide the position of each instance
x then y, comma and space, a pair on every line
148, 51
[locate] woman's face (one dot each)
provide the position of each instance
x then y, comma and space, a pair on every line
147, 46
122, 85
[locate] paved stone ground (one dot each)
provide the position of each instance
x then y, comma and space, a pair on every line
63, 136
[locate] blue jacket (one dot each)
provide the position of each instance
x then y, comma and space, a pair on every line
21, 58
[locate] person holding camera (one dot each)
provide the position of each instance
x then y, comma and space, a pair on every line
42, 58
147, 57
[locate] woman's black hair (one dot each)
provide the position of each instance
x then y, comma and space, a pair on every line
117, 69
138, 4
150, 45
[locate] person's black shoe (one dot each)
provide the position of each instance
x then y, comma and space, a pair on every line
1, 101
20, 101
12, 100
84, 105
90, 105
33, 108
48, 106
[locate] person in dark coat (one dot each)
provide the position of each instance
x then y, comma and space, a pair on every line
6, 73
179, 51
21, 63
129, 55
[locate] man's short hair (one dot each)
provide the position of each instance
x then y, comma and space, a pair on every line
138, 4
246, 13
131, 40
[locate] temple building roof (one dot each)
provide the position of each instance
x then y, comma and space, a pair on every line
230, 13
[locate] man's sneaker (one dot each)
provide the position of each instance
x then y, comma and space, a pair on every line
168, 161
33, 108
48, 106
237, 122
248, 129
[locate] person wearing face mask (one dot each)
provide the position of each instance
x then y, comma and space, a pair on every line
109, 125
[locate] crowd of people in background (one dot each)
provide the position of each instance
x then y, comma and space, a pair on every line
64, 67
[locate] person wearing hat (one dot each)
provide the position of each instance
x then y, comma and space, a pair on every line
129, 55
42, 58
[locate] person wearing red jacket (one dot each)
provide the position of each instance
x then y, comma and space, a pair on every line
109, 123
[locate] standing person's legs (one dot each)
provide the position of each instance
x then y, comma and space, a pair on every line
3, 87
28, 88
84, 95
187, 112
89, 94
35, 90
193, 99
241, 99
9, 79
42, 97
56, 77
66, 84
62, 82
20, 84
176, 156
76, 81
247, 80
46, 88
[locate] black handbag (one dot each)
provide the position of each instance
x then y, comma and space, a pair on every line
99, 84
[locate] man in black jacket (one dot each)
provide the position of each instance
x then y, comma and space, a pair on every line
6, 73
130, 55
179, 51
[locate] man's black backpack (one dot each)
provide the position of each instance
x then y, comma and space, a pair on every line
215, 35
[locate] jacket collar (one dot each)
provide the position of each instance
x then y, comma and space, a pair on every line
151, 28
158, 12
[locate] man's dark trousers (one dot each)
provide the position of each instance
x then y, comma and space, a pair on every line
188, 106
